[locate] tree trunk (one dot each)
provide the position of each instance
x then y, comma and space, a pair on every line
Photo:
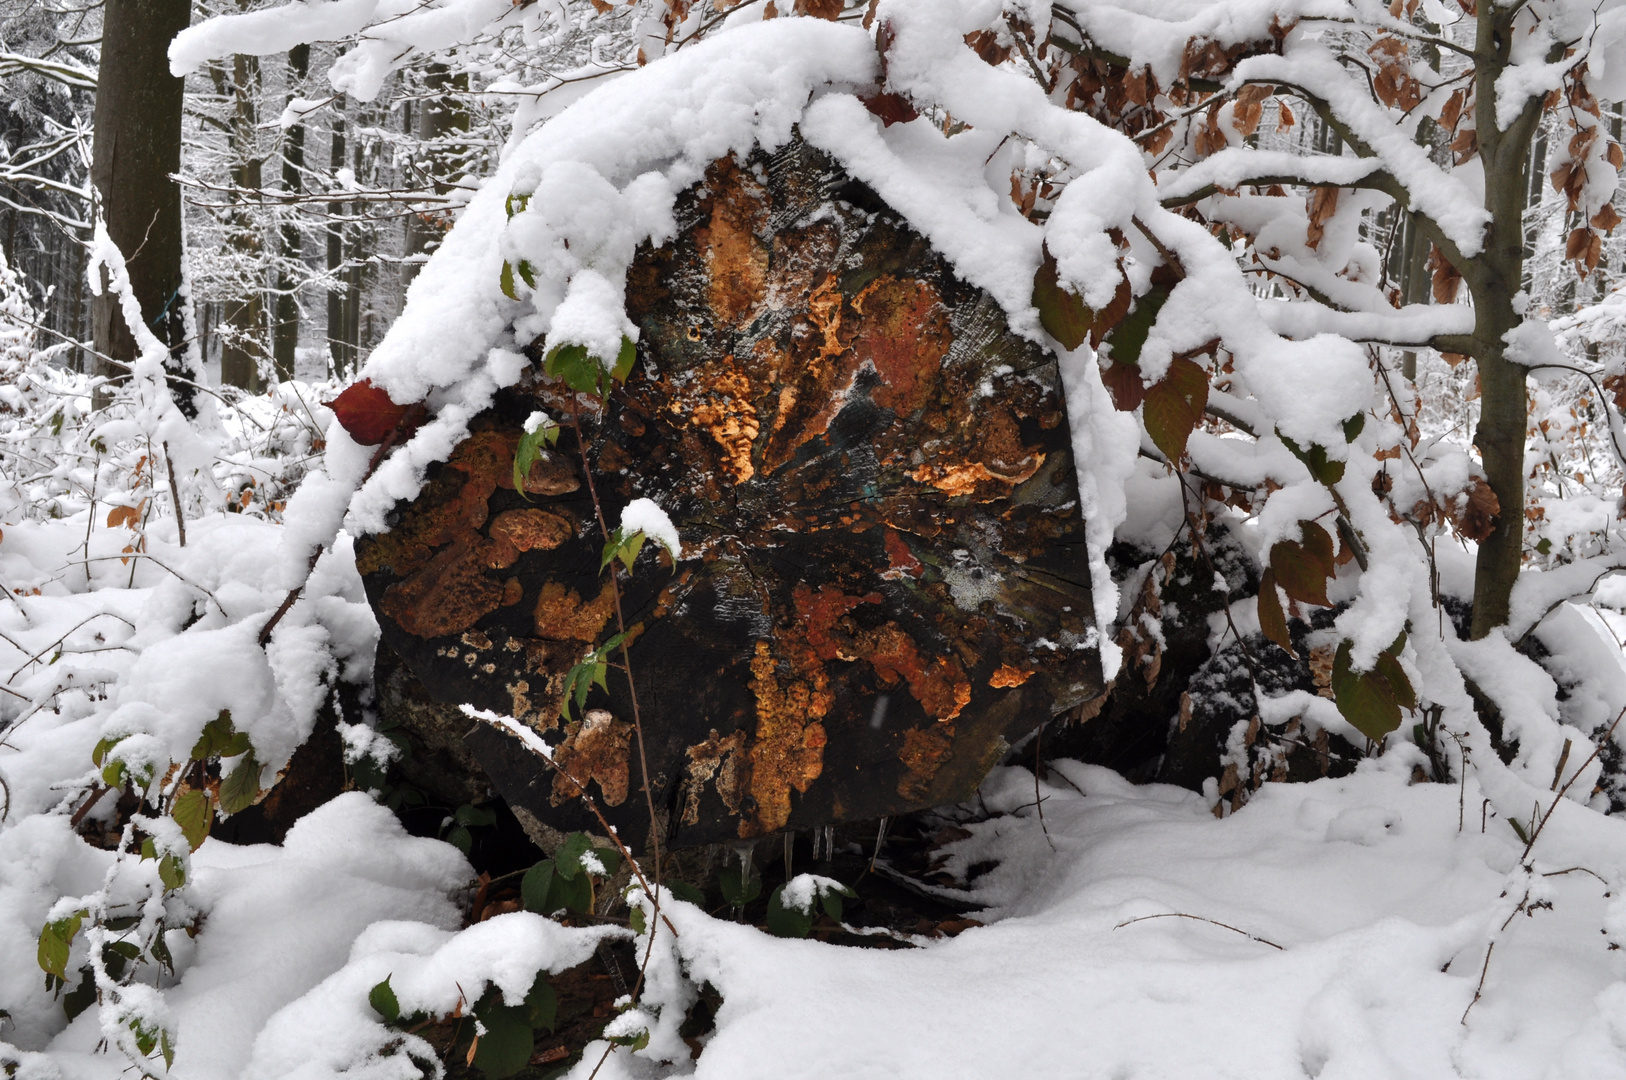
884, 581
285, 324
243, 347
439, 117
340, 299
137, 124
1494, 279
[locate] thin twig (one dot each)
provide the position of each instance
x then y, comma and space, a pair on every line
409, 420
1535, 833
1200, 918
174, 496
1479, 990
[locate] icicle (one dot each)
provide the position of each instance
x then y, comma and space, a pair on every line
880, 838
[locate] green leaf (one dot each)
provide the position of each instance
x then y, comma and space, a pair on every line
1353, 427
737, 890
160, 952
1389, 668
1129, 337
573, 894
99, 755
121, 950
624, 360
787, 921
81, 997
831, 902
536, 887
172, 872
626, 548
194, 814
113, 774
575, 367
474, 816
1519, 830
1302, 566
382, 999
610, 859
567, 860
1325, 471
515, 204
219, 739
1370, 700
687, 893
505, 281
460, 838
531, 445
56, 941
241, 786
166, 1048
1061, 312
636, 920
1174, 406
1272, 619
541, 1003
527, 274
506, 1046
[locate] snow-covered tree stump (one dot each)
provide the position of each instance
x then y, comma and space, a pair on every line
883, 581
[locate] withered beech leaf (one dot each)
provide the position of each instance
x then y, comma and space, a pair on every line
1475, 510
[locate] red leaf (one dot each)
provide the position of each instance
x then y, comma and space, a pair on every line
368, 414
891, 108
1124, 383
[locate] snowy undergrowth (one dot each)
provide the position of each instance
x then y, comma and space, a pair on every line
1333, 929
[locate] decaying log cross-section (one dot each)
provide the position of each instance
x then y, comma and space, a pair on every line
883, 580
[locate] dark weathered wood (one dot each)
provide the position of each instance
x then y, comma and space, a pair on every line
136, 149
884, 579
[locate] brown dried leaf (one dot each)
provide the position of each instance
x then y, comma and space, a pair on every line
1452, 112
1250, 108
1616, 385
1323, 204
1465, 146
985, 43
124, 516
1576, 243
1474, 511
1445, 276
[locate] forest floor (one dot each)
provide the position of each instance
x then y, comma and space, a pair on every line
1364, 927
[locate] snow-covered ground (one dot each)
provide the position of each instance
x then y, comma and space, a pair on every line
1356, 917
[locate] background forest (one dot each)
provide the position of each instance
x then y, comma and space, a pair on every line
1335, 296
